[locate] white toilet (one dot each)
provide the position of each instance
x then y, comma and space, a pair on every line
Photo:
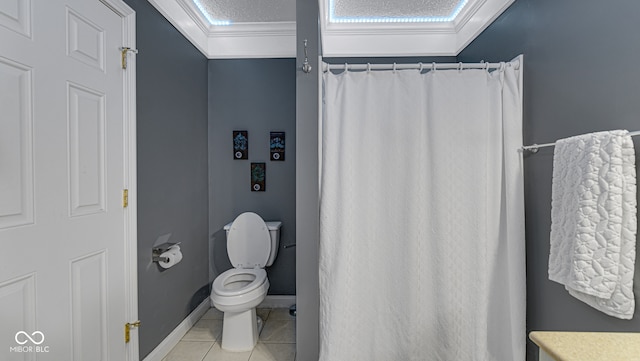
252, 245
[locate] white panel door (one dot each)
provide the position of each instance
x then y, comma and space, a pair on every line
62, 172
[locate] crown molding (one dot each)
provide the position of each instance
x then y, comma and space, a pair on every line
408, 39
241, 40
278, 39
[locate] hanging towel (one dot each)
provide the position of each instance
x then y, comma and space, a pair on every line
593, 220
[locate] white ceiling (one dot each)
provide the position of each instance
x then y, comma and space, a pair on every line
266, 29
394, 11
226, 12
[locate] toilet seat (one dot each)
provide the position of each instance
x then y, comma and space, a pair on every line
226, 283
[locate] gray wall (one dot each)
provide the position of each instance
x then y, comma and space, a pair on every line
257, 95
307, 206
172, 173
580, 75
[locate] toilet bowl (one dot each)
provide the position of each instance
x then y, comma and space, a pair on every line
252, 245
239, 289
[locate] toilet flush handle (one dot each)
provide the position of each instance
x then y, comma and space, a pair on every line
289, 245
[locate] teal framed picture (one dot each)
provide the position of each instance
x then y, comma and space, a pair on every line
258, 177
240, 144
276, 146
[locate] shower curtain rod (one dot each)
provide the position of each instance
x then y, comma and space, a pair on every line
418, 66
533, 148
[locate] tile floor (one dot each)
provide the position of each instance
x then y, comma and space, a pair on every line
277, 341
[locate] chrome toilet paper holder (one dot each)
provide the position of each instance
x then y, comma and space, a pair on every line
156, 251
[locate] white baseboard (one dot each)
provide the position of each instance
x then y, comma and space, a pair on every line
163, 349
278, 301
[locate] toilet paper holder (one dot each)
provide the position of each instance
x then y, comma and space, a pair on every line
156, 251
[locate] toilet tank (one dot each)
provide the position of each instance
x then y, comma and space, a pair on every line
274, 232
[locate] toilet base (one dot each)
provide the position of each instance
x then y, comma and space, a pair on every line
239, 331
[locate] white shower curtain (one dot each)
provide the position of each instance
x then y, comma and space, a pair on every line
422, 216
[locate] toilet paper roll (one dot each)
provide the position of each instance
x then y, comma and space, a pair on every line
176, 249
178, 253
172, 256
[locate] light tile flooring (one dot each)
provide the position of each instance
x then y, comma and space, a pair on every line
277, 341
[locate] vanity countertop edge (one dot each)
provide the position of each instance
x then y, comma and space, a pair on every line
588, 346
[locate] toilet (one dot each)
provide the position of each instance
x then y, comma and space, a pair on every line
252, 245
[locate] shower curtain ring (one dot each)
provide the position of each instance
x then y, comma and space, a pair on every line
394, 67
368, 67
433, 66
459, 66
420, 67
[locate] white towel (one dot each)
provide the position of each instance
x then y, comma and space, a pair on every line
593, 220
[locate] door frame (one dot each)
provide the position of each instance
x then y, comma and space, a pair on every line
130, 220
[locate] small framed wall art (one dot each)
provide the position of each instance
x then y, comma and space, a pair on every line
276, 146
258, 177
240, 144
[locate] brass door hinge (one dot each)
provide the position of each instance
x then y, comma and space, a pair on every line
123, 51
125, 198
127, 330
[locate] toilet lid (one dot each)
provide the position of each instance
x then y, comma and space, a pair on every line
248, 241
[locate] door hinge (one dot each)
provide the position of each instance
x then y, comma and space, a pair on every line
127, 330
125, 198
123, 52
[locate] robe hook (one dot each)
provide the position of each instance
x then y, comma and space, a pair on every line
306, 67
